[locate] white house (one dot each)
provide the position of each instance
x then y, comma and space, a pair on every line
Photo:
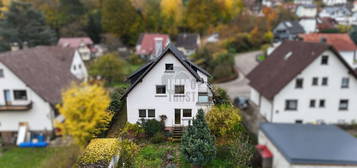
309, 24
340, 13
303, 82
170, 86
303, 2
334, 2
150, 44
340, 41
31, 84
309, 11
306, 146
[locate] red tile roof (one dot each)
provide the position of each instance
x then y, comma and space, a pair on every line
74, 42
342, 42
147, 42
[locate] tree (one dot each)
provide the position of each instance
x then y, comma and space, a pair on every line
172, 13
84, 108
197, 143
22, 24
120, 18
220, 96
222, 119
230, 8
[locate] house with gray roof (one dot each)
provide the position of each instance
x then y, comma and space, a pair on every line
32, 81
287, 30
307, 146
169, 86
188, 43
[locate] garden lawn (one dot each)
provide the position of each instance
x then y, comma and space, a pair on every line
15, 157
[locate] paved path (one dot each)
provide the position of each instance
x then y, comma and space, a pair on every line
244, 63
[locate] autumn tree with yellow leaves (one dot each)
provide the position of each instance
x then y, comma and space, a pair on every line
84, 108
172, 14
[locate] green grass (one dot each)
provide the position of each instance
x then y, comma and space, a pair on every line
151, 156
27, 157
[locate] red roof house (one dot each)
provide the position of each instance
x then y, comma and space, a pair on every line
146, 43
74, 42
342, 42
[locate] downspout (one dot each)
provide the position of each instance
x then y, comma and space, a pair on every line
272, 110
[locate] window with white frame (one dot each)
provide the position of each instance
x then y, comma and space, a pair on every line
291, 105
315, 81
203, 97
179, 89
299, 83
312, 103
343, 105
322, 103
169, 67
1, 73
20, 95
186, 113
160, 89
345, 83
324, 81
146, 113
324, 60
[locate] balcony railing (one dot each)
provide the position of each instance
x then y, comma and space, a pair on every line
17, 107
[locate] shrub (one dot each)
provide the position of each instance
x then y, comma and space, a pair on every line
151, 127
99, 152
128, 153
132, 131
222, 119
150, 156
158, 138
220, 96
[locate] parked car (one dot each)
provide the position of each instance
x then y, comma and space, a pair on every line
241, 102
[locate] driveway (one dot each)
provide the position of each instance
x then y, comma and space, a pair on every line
244, 63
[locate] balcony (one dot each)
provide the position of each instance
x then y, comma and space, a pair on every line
17, 107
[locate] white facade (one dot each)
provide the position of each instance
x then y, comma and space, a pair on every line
85, 52
78, 68
341, 14
279, 161
304, 2
143, 96
306, 11
275, 110
334, 2
38, 118
309, 25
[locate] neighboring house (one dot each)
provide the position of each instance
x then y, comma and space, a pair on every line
309, 11
334, 2
341, 42
303, 82
271, 3
304, 2
309, 24
188, 43
326, 23
149, 44
32, 81
169, 86
84, 45
340, 13
213, 38
287, 30
306, 146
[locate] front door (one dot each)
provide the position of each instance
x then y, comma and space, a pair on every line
7, 96
177, 117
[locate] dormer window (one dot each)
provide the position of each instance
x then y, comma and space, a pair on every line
169, 67
324, 60
1, 73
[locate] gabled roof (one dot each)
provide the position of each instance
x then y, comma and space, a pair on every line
312, 144
187, 40
138, 75
340, 41
43, 69
273, 74
293, 27
74, 42
147, 42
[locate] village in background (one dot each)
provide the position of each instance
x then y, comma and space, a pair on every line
178, 83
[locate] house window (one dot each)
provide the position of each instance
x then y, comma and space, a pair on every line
187, 112
291, 105
20, 95
315, 81
324, 60
343, 104
203, 97
345, 83
151, 113
324, 81
322, 104
74, 67
179, 89
169, 67
298, 121
312, 103
79, 66
299, 83
1, 73
160, 89
142, 113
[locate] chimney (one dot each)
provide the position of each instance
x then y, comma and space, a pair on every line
323, 40
14, 46
158, 46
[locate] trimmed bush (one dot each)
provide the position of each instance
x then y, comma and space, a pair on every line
99, 152
222, 120
132, 131
151, 127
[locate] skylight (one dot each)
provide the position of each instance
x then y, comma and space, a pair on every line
287, 56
